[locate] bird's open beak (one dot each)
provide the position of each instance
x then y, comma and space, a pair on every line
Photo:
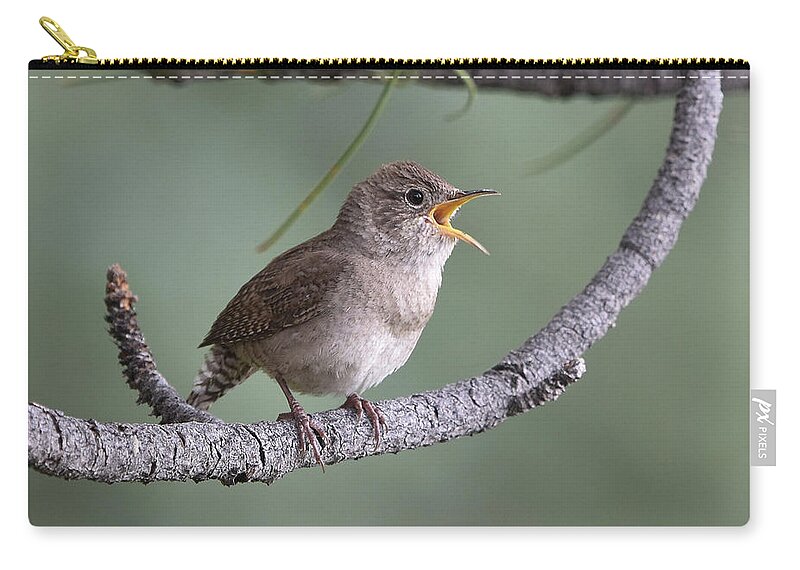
441, 213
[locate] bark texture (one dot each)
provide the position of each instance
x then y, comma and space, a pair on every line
197, 446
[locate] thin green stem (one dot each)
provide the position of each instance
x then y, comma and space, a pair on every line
574, 146
334, 170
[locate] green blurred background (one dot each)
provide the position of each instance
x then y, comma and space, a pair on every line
179, 182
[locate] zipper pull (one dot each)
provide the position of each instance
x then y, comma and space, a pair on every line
72, 52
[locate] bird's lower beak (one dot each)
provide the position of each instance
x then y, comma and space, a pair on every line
441, 213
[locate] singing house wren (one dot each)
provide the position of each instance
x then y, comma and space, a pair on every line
343, 310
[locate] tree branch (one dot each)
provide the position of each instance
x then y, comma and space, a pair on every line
74, 448
563, 82
603, 82
527, 377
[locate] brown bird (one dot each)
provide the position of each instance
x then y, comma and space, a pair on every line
340, 312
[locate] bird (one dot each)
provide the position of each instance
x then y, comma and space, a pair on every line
337, 314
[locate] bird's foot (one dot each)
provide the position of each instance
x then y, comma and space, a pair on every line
307, 429
361, 406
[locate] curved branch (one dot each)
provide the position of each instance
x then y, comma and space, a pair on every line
527, 377
137, 361
644, 246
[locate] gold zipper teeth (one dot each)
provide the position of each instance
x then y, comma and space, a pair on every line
456, 63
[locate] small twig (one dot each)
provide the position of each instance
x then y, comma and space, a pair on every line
137, 361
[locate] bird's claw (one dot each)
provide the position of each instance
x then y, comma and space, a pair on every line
361, 406
307, 429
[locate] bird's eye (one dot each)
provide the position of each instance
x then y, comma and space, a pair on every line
415, 197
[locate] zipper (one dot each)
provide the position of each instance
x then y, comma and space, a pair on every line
79, 57
72, 52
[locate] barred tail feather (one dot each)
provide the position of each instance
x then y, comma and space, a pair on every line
222, 370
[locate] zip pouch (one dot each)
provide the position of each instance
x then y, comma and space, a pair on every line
297, 220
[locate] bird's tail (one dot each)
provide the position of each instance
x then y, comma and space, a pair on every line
222, 370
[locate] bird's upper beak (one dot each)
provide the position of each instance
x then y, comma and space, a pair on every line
441, 213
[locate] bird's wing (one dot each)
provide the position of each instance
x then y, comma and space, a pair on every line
292, 289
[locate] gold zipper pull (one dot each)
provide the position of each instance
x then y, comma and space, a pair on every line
72, 52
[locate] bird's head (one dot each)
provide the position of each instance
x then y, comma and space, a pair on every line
405, 209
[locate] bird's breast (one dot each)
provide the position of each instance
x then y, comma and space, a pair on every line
401, 299
371, 325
